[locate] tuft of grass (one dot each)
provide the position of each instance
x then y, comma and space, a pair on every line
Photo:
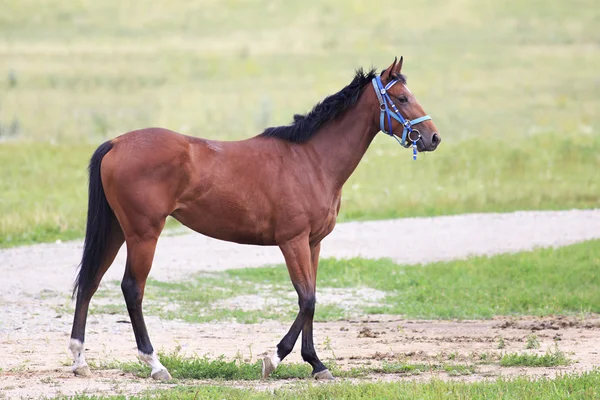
501, 343
532, 342
550, 359
416, 369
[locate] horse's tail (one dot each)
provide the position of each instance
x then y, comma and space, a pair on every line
99, 222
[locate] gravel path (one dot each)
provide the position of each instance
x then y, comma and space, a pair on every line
51, 267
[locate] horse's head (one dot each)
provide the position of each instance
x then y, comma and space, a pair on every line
399, 111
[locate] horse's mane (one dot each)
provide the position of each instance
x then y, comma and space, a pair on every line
305, 126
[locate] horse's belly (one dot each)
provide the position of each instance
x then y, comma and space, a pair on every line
227, 226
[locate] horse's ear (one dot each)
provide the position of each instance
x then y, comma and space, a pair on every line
387, 74
399, 65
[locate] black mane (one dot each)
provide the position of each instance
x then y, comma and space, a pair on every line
304, 126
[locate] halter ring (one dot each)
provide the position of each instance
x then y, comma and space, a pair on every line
410, 135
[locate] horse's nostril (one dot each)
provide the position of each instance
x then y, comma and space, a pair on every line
435, 139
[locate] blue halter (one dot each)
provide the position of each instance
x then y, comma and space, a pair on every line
386, 113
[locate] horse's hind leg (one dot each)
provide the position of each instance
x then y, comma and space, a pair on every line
140, 252
76, 345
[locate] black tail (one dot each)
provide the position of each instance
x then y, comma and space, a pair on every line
99, 220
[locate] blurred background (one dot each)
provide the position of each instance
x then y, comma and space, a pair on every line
513, 87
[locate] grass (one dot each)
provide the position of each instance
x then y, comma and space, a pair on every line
540, 282
203, 368
182, 367
567, 386
519, 130
532, 342
560, 281
550, 359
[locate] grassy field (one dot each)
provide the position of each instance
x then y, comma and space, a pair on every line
560, 281
511, 86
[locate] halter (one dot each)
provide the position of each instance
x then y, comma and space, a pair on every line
384, 100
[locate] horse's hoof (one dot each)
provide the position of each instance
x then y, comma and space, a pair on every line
267, 367
162, 375
83, 371
323, 375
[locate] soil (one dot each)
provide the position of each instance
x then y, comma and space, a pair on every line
38, 363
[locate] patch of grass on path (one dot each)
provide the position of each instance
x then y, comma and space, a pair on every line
561, 281
182, 367
568, 386
550, 359
540, 282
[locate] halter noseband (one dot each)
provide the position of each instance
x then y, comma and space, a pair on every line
384, 99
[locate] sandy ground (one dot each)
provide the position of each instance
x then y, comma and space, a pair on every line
39, 364
36, 280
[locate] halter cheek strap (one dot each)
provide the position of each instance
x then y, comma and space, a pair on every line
389, 111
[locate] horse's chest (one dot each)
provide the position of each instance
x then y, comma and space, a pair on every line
326, 224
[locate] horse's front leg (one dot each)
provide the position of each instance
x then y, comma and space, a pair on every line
299, 257
308, 349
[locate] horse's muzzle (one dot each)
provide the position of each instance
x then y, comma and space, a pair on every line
429, 145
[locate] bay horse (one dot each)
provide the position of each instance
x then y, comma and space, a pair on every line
280, 188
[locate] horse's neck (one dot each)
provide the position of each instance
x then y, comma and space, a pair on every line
342, 144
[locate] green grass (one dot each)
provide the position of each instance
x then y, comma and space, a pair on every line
567, 386
541, 282
560, 281
197, 300
550, 359
519, 130
183, 367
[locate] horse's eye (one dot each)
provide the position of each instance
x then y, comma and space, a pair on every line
403, 99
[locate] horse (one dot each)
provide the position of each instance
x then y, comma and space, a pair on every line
282, 188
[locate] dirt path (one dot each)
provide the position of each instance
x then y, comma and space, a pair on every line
35, 284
